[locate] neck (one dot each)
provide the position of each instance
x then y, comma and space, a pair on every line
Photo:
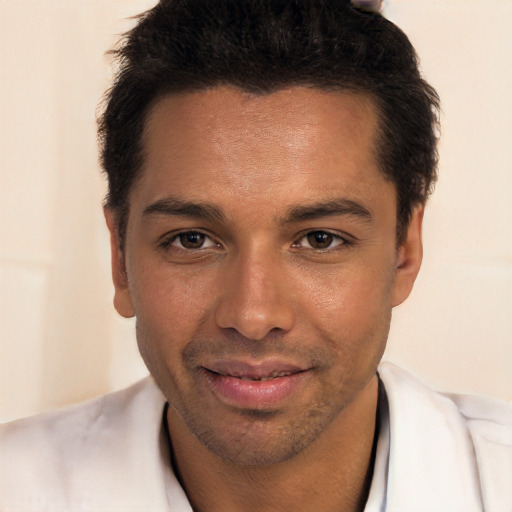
333, 473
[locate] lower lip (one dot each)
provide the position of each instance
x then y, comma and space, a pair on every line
254, 394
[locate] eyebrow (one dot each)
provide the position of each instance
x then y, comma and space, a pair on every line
339, 206
178, 208
205, 211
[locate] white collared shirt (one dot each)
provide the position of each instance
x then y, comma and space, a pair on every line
435, 453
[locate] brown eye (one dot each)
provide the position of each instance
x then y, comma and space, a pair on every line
320, 239
192, 240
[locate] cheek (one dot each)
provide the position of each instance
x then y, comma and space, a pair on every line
170, 312
348, 293
170, 306
351, 309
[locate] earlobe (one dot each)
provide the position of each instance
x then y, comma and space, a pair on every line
409, 257
122, 298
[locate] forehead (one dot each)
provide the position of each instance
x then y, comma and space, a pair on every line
298, 141
291, 107
229, 115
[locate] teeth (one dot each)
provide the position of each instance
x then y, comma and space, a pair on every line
270, 377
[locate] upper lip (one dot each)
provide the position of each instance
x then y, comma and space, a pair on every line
254, 370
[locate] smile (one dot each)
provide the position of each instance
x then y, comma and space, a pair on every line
274, 375
254, 386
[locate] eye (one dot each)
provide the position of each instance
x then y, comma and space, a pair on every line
192, 240
320, 240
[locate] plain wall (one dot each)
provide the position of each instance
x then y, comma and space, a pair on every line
60, 338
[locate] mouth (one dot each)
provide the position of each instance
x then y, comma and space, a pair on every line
254, 371
263, 378
254, 385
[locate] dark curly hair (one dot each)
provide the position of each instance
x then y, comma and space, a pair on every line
261, 46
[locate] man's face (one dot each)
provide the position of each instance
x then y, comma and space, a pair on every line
261, 264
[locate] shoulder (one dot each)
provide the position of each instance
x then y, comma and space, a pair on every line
463, 441
74, 449
487, 416
76, 423
489, 423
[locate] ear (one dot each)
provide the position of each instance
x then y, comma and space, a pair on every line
409, 257
122, 298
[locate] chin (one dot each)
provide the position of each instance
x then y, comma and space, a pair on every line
261, 438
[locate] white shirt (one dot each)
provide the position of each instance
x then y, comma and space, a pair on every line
435, 453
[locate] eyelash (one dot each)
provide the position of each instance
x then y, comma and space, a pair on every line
169, 240
342, 241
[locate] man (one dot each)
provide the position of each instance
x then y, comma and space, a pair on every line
268, 167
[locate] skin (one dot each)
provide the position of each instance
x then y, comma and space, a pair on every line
292, 263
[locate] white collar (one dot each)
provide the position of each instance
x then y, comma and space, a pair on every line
424, 461
432, 464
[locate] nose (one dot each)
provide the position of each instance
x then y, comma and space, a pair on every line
256, 298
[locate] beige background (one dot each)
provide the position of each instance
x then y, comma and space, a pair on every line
60, 339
